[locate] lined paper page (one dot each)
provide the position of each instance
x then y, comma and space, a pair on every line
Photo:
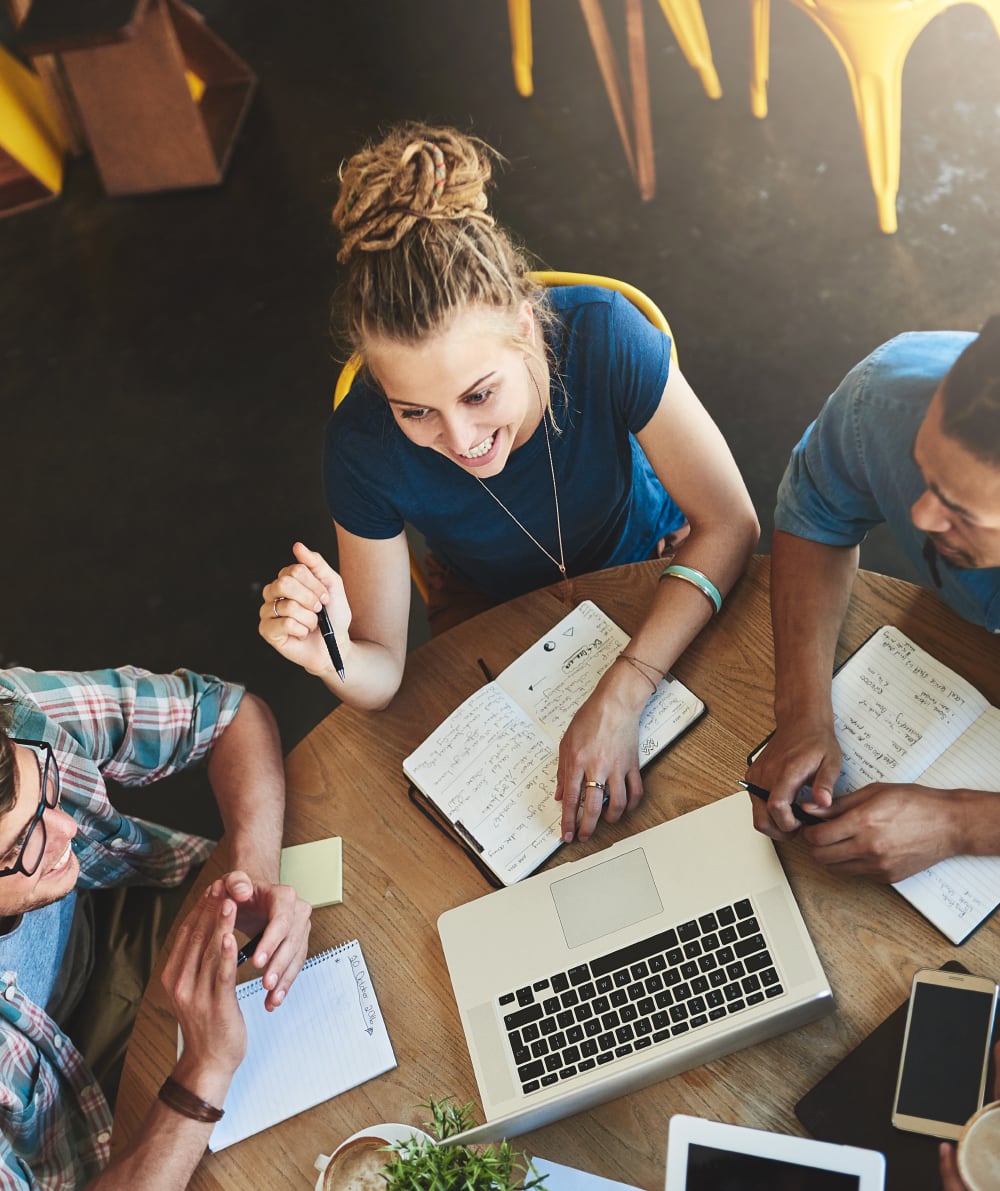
957, 894
328, 1036
492, 771
896, 709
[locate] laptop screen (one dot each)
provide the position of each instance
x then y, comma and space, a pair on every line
709, 1169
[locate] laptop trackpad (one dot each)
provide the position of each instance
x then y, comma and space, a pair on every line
606, 898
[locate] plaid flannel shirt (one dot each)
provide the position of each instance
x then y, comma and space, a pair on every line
135, 728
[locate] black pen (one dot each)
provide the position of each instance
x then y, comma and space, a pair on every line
760, 792
326, 628
248, 948
485, 669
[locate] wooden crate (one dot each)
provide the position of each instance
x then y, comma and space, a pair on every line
160, 97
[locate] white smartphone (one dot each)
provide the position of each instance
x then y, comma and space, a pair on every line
946, 1052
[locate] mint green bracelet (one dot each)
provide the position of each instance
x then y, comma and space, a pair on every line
702, 582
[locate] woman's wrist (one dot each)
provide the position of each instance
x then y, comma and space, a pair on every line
630, 684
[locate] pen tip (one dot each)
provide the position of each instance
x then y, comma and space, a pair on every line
343, 676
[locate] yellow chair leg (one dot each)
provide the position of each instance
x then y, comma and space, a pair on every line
760, 55
873, 48
688, 24
519, 15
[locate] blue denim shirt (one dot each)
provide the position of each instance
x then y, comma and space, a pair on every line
853, 468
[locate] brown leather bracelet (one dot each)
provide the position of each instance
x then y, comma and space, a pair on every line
177, 1097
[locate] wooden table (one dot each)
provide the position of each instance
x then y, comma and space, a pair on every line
400, 874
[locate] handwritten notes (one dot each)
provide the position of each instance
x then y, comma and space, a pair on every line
896, 709
326, 1037
491, 766
902, 716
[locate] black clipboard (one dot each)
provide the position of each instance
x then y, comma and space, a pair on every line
430, 810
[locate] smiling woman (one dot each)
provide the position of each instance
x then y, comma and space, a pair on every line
526, 433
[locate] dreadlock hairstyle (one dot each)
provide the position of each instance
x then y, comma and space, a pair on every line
418, 242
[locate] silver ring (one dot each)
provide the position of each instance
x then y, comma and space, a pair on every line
596, 785
277, 601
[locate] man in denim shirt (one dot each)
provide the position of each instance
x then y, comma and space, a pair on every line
910, 438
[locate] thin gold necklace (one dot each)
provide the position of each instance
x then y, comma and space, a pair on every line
560, 562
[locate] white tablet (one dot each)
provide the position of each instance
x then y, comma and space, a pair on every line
709, 1156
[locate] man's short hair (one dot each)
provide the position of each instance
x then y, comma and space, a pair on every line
970, 395
8, 758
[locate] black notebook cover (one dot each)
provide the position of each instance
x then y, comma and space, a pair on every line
852, 1105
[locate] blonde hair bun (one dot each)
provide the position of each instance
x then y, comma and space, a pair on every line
417, 173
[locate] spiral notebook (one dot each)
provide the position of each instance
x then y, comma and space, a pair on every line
328, 1036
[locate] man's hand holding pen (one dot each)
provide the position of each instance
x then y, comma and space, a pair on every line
794, 758
281, 920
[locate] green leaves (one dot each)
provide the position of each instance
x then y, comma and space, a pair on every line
419, 1165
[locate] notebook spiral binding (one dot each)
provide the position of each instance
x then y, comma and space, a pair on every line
250, 988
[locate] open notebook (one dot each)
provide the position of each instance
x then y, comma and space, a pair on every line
490, 768
903, 716
328, 1036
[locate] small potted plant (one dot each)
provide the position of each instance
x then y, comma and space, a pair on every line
401, 1158
422, 1163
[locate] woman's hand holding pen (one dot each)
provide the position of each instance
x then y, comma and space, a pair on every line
290, 614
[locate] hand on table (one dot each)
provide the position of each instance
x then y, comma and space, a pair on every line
951, 1180
801, 755
886, 831
200, 979
601, 744
285, 919
288, 612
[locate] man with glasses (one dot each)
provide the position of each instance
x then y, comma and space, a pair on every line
911, 438
73, 964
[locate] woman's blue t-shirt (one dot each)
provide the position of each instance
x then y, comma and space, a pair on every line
613, 366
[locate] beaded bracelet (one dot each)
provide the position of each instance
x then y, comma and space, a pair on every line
641, 667
702, 582
177, 1097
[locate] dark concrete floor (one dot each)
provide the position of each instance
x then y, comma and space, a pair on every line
165, 362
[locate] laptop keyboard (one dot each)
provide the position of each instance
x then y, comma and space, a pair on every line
639, 996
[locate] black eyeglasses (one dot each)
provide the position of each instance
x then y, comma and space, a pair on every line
32, 849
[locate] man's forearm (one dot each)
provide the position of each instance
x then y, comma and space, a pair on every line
248, 777
162, 1156
810, 589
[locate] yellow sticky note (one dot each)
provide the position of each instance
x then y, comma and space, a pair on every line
314, 871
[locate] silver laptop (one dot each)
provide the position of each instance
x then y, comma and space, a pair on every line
660, 953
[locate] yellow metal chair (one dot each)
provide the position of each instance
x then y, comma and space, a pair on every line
638, 299
872, 38
684, 17
688, 25
31, 140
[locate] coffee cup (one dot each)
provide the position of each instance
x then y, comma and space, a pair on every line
357, 1163
979, 1149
